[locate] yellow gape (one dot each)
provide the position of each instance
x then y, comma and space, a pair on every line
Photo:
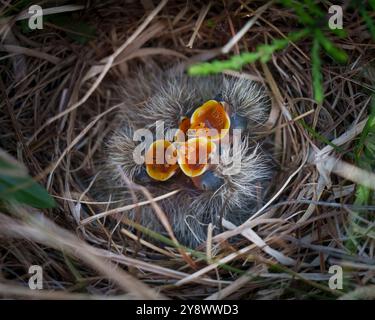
210, 120
161, 160
194, 156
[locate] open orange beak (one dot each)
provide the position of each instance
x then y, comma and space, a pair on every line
161, 160
194, 156
210, 120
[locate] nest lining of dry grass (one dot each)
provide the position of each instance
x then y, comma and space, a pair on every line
284, 251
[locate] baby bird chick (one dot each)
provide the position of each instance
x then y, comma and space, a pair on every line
226, 189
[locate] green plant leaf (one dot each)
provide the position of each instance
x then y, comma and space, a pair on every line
17, 185
336, 53
362, 195
263, 52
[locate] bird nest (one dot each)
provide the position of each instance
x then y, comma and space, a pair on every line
57, 112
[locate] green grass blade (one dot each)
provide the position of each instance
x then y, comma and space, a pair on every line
263, 52
369, 22
319, 136
316, 71
336, 53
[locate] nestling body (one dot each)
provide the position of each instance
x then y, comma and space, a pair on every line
215, 191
